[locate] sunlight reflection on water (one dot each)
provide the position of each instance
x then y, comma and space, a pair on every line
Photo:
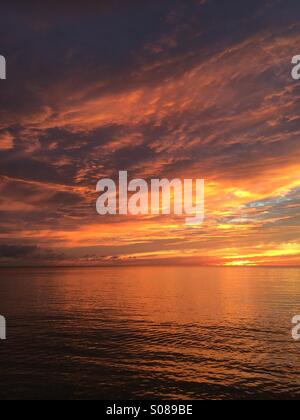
173, 332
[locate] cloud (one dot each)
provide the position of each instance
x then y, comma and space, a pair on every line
16, 251
6, 141
157, 89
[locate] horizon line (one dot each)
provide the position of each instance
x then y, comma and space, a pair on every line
145, 265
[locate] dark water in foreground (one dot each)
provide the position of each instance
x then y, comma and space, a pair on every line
134, 333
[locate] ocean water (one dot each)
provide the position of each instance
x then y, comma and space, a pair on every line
149, 333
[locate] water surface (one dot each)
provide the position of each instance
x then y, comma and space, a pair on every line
135, 333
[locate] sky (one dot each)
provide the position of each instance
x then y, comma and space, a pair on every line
163, 89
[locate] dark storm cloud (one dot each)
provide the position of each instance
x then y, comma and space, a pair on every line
31, 169
51, 47
16, 251
32, 254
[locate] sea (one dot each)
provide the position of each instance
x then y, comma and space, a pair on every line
159, 333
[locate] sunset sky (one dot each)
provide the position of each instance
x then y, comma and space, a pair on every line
175, 89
